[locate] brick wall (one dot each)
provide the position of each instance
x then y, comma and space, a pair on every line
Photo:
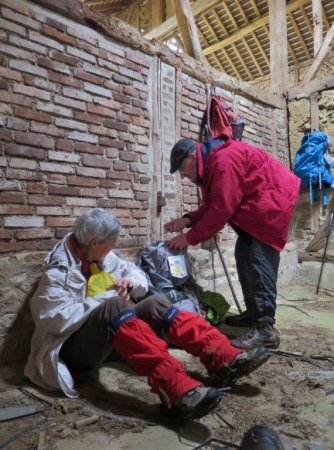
75, 122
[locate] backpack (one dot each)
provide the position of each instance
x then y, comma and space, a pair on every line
169, 274
310, 163
219, 120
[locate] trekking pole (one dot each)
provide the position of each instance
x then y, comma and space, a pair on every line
227, 274
329, 229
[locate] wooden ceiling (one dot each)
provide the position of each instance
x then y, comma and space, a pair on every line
234, 34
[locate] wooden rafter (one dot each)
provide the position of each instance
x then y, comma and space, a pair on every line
317, 25
278, 47
264, 20
264, 54
158, 12
187, 28
257, 65
322, 53
236, 51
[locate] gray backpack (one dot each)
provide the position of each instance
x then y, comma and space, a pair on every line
169, 274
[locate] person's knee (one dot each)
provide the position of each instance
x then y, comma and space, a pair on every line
112, 307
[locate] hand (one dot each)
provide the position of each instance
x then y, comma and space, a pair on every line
177, 225
178, 242
123, 287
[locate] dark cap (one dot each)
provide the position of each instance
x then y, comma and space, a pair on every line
179, 152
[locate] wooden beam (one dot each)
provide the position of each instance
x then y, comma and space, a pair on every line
278, 47
158, 12
259, 23
198, 7
317, 25
187, 28
322, 53
305, 90
314, 110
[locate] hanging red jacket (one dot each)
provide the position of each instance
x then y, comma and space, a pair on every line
246, 187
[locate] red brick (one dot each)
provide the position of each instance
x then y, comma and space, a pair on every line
115, 125
36, 188
36, 140
65, 145
11, 247
59, 36
61, 190
33, 115
33, 234
128, 156
16, 209
5, 134
91, 118
22, 150
54, 23
138, 60
121, 165
66, 59
90, 172
6, 234
122, 98
63, 79
78, 73
116, 175
109, 184
82, 181
23, 175
100, 110
53, 211
45, 200
88, 148
142, 122
60, 222
94, 192
11, 197
95, 161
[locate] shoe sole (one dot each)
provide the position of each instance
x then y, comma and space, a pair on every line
207, 405
229, 375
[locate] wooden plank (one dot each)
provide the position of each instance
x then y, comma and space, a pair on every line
314, 106
259, 23
317, 25
326, 47
278, 47
305, 90
170, 24
187, 28
158, 12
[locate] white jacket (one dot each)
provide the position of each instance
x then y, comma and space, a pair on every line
59, 307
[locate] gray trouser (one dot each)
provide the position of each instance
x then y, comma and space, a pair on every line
92, 343
257, 267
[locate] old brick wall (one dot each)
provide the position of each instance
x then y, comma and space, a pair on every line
87, 121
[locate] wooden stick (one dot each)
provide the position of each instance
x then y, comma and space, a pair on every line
87, 421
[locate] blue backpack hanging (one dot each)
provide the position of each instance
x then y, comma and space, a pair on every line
310, 164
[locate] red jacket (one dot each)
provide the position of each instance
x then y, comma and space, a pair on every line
246, 187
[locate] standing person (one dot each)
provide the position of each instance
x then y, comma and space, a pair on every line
252, 191
84, 307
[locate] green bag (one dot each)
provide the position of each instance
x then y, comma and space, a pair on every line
216, 306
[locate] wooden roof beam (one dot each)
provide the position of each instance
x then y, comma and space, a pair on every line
326, 47
187, 28
278, 47
317, 25
198, 7
158, 12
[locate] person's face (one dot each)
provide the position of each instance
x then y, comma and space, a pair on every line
96, 251
188, 167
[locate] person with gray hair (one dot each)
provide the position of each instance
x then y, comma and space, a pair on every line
90, 302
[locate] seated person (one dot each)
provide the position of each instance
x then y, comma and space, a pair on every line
76, 329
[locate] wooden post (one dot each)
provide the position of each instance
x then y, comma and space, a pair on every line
188, 30
158, 13
278, 47
317, 25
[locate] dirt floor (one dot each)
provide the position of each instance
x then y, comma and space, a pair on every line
293, 393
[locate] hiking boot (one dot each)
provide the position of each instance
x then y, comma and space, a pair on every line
261, 438
241, 320
243, 364
195, 403
258, 336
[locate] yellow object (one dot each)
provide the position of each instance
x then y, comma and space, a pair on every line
99, 281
